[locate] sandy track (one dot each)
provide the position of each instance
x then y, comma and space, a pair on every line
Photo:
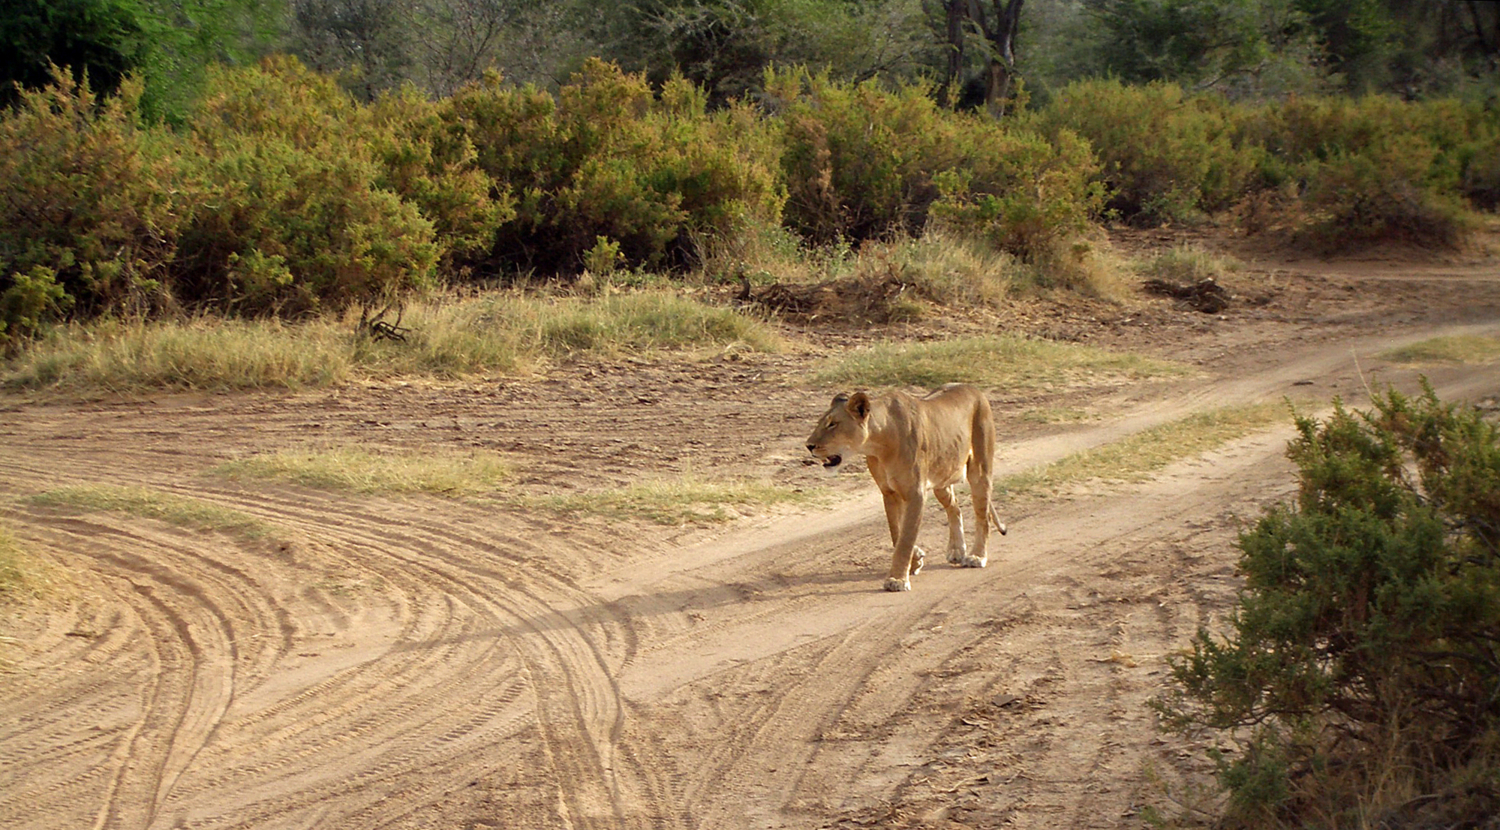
382, 662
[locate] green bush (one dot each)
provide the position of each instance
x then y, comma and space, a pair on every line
32, 299
1038, 195
1165, 156
429, 163
290, 214
860, 159
1360, 680
1381, 195
1377, 168
86, 198
608, 158
864, 162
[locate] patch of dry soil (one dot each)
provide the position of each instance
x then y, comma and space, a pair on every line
421, 662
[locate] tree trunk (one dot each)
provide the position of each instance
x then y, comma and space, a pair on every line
1002, 65
955, 11
996, 88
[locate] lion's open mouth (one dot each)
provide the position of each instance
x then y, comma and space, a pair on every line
833, 461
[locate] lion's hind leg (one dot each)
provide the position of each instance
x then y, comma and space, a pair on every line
957, 549
979, 484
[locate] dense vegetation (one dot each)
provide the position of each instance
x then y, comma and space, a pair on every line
1253, 48
1358, 682
165, 168
281, 193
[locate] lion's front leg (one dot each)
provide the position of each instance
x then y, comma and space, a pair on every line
904, 514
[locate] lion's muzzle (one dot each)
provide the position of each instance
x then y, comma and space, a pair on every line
828, 461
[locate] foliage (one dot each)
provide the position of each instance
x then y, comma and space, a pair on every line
1377, 168
608, 158
1340, 172
85, 205
279, 193
32, 299
1142, 41
295, 219
166, 45
862, 162
1045, 199
1165, 156
101, 40
1364, 646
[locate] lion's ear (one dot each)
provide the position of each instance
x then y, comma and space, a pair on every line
840, 399
859, 405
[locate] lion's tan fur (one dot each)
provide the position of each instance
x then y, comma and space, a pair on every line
913, 445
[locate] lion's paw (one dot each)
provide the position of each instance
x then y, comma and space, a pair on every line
975, 561
894, 584
918, 559
957, 553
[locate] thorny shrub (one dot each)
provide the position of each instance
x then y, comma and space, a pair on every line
1360, 679
1165, 156
86, 204
291, 212
607, 158
865, 162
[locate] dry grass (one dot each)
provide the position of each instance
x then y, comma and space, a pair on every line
155, 504
1013, 363
361, 471
672, 501
481, 476
1186, 264
478, 475
15, 569
1140, 455
1461, 349
448, 337
940, 268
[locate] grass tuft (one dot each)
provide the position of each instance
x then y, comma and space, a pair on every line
1461, 349
449, 337
671, 502
155, 504
207, 353
1186, 264
1014, 363
1140, 455
347, 468
14, 567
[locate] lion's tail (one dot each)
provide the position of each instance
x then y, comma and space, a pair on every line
994, 518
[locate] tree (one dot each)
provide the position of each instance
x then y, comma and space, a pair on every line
997, 26
100, 39
366, 39
1000, 29
167, 42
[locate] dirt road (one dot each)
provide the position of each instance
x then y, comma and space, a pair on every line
364, 661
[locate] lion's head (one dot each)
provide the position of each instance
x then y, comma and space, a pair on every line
842, 430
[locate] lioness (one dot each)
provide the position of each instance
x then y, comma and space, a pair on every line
912, 445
